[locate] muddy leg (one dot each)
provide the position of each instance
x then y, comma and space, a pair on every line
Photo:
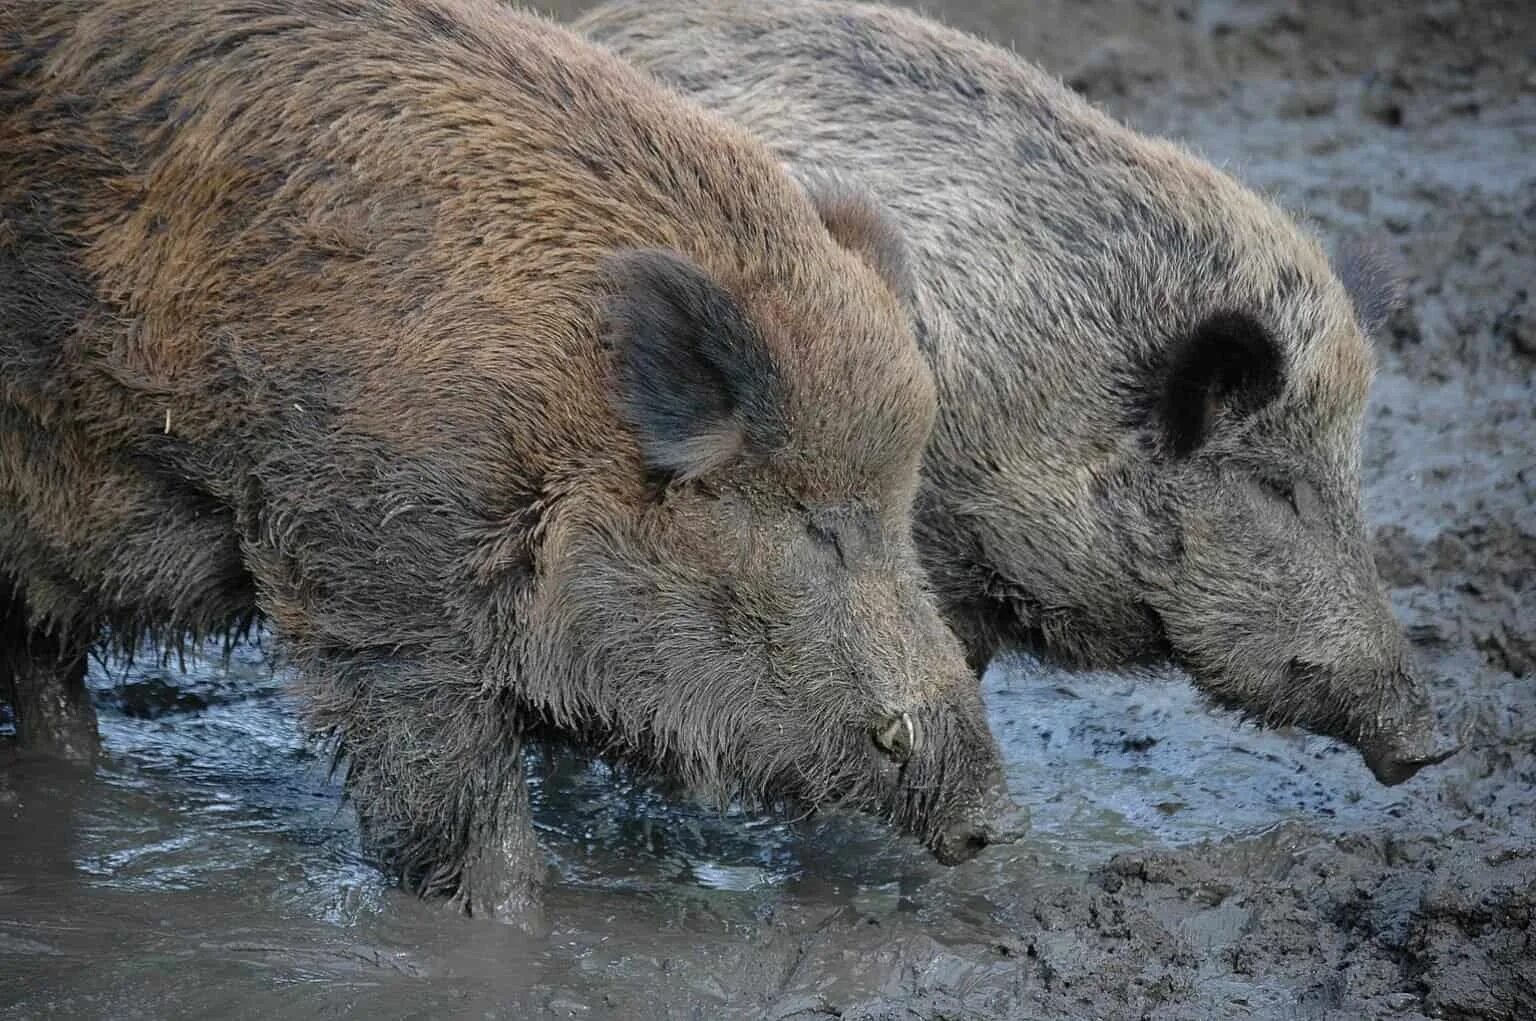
504, 866
441, 794
44, 680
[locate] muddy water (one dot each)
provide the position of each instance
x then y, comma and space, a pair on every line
210, 863
1180, 865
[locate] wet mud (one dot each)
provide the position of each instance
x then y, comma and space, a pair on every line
1181, 865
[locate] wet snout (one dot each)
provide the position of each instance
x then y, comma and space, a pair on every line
1000, 821
1393, 762
1384, 713
1401, 738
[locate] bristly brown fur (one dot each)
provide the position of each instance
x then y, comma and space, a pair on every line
301, 312
1084, 499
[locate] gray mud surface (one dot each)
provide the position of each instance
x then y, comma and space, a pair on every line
1181, 865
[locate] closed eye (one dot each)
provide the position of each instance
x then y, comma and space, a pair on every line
825, 537
1282, 492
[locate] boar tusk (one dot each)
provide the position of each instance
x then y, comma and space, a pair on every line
899, 736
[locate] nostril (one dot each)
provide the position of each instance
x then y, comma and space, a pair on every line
976, 842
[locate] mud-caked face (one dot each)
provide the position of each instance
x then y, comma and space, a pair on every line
1257, 565
1196, 499
753, 631
801, 661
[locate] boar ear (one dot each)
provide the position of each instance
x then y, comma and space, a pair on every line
861, 225
695, 380
1373, 279
1227, 363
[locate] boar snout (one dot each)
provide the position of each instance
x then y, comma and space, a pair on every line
1393, 762
938, 772
1383, 713
1000, 821
961, 842
1401, 738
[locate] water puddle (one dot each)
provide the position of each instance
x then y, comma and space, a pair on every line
211, 842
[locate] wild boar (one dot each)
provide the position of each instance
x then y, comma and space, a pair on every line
1151, 380
513, 391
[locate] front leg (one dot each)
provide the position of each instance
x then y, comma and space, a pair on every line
503, 872
436, 772
406, 664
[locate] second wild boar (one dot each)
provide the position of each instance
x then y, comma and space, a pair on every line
1151, 380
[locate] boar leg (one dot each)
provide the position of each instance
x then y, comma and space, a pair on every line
435, 768
43, 678
504, 865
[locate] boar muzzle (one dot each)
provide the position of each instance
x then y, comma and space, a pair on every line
1387, 718
1000, 821
1395, 751
1393, 763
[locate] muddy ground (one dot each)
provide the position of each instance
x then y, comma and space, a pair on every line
1180, 866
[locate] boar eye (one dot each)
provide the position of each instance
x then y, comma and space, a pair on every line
1283, 492
898, 736
825, 536
1308, 504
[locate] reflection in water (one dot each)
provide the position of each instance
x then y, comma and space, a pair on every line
211, 861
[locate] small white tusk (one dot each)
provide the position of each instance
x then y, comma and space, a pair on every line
906, 721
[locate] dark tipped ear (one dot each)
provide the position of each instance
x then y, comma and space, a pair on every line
1373, 279
694, 378
859, 223
1227, 363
